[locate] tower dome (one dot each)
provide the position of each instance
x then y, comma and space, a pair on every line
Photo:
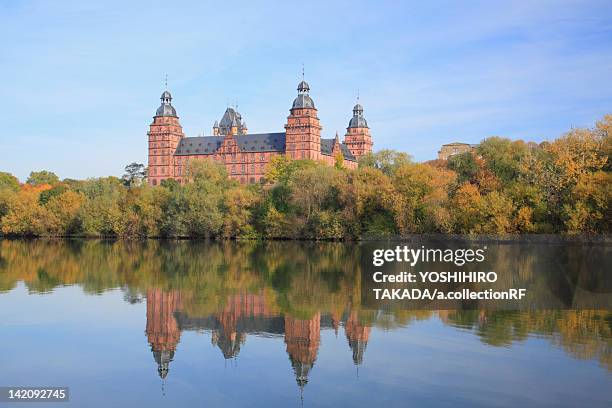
303, 86
166, 108
358, 121
303, 100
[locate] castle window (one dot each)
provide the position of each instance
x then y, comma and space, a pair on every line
243, 168
303, 154
233, 169
252, 180
252, 168
263, 157
154, 182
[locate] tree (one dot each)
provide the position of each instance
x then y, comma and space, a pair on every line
385, 160
368, 201
134, 175
24, 216
466, 207
238, 204
281, 169
465, 166
8, 181
63, 212
422, 198
503, 157
42, 177
339, 160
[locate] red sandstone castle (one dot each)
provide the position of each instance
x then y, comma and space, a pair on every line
244, 154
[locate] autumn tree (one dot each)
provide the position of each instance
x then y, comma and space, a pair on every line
8, 181
37, 178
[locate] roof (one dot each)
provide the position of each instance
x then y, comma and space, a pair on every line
303, 86
165, 109
303, 100
257, 142
358, 121
230, 118
459, 144
328, 144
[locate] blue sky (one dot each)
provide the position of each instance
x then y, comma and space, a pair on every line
81, 80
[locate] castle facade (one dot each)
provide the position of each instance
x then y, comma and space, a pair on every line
245, 155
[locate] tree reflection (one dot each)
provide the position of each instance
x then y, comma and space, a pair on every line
294, 290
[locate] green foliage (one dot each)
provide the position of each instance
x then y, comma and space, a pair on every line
38, 178
46, 195
8, 181
465, 166
385, 160
503, 157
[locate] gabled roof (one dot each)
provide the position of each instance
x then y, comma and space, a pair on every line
327, 146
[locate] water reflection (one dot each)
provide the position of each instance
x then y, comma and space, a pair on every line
291, 291
247, 314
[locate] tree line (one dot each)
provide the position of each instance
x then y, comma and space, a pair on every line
500, 187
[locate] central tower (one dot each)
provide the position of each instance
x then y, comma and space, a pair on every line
303, 131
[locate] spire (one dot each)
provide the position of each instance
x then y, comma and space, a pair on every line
337, 139
166, 82
303, 86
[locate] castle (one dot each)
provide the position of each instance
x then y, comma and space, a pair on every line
244, 154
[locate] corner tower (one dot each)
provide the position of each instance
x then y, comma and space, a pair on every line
357, 137
303, 130
164, 134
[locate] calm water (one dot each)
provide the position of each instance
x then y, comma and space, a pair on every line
283, 324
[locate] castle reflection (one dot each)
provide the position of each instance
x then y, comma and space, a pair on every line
247, 314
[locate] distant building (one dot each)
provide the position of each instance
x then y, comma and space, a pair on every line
245, 154
451, 149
